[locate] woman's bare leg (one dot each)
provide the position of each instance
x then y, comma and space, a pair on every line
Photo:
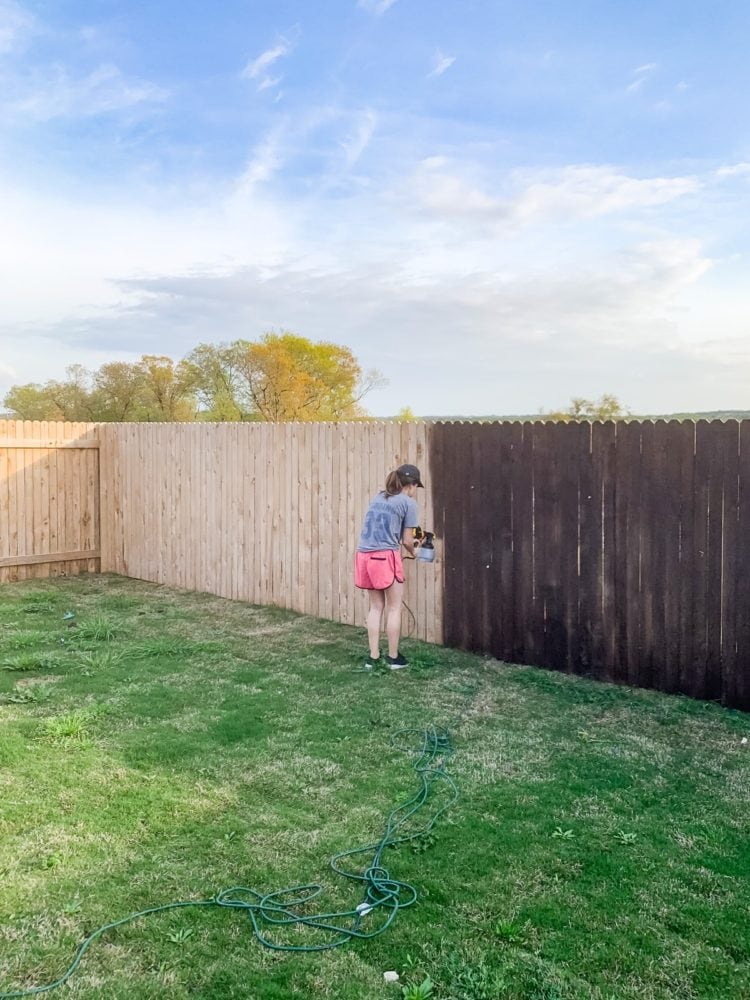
394, 597
374, 616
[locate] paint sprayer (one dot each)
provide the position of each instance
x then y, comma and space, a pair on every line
426, 540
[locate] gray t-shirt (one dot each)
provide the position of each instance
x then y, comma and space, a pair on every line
385, 521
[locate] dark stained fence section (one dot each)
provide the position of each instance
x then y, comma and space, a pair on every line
616, 550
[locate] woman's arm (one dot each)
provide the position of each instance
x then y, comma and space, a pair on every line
407, 540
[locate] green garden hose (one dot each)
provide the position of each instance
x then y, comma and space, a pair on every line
383, 895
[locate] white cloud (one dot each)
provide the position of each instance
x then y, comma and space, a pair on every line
15, 21
76, 250
265, 161
376, 7
509, 301
357, 141
440, 64
588, 192
269, 81
734, 170
575, 192
640, 75
256, 68
105, 90
571, 330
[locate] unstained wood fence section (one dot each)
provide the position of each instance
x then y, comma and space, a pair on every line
49, 499
616, 550
267, 513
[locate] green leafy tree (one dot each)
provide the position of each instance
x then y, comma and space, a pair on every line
280, 377
167, 392
70, 399
31, 402
405, 415
607, 407
118, 389
212, 374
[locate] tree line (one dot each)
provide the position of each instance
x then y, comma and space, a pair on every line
281, 376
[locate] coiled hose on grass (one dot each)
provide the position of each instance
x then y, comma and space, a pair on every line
383, 896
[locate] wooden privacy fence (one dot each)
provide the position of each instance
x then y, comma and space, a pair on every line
267, 513
616, 550
49, 499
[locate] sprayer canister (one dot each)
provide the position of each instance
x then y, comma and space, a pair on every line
425, 554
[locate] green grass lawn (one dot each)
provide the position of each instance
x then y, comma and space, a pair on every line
168, 745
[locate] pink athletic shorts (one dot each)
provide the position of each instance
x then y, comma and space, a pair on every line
378, 570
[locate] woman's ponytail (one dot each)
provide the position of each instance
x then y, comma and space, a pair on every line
393, 484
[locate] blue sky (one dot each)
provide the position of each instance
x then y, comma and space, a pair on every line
498, 205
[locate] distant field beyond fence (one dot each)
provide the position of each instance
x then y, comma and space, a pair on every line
617, 550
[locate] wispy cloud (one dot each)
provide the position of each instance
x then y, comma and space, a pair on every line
575, 192
7, 371
15, 21
105, 90
359, 139
590, 192
640, 75
257, 69
376, 7
269, 81
263, 164
734, 170
440, 64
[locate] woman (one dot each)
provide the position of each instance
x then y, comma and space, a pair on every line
378, 569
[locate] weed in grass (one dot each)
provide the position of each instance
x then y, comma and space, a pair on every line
625, 838
422, 843
98, 629
28, 661
472, 977
38, 608
30, 695
24, 640
93, 661
508, 931
173, 646
559, 834
180, 936
418, 991
67, 730
422, 659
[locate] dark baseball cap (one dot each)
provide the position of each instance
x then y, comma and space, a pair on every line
410, 474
